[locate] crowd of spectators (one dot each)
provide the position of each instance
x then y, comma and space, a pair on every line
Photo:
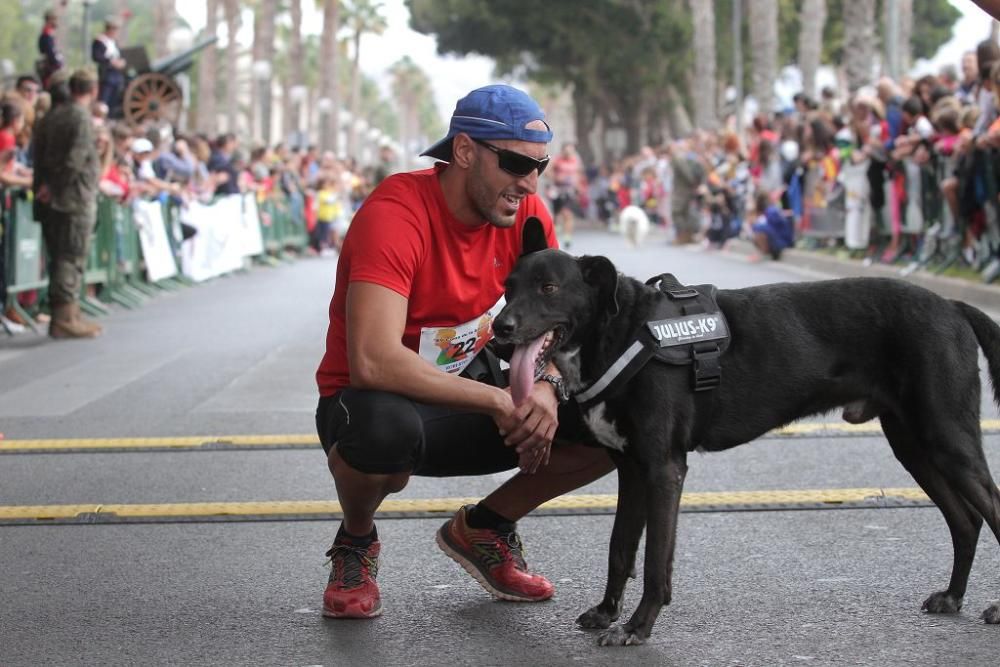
898, 172
155, 161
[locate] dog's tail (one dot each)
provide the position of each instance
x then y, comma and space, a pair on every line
988, 334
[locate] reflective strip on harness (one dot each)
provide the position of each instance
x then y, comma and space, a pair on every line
609, 376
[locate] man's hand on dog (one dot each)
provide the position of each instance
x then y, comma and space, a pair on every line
530, 427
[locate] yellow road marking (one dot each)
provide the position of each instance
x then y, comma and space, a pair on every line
310, 440
178, 442
448, 505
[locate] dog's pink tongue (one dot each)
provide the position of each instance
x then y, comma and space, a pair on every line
522, 369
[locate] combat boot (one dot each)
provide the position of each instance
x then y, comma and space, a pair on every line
67, 323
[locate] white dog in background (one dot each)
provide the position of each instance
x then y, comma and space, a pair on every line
634, 224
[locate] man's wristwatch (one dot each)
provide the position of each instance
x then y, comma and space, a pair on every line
562, 394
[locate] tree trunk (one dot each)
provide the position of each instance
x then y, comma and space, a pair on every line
293, 122
263, 42
328, 80
703, 89
813, 20
231, 9
897, 28
206, 120
583, 110
904, 46
763, 15
859, 42
68, 48
632, 123
352, 131
164, 12
252, 108
680, 121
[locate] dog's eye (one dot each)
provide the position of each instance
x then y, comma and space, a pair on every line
549, 288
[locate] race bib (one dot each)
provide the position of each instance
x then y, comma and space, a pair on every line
452, 348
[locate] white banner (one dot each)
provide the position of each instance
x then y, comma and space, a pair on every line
219, 242
253, 241
156, 251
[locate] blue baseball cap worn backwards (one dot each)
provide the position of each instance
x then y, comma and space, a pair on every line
493, 112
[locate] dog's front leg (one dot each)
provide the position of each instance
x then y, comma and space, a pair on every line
664, 482
630, 519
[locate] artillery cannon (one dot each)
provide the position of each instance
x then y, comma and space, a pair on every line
152, 93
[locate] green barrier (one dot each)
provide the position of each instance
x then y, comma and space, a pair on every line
115, 269
24, 249
96, 274
113, 223
287, 228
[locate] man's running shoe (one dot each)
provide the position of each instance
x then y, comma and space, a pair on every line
494, 558
352, 591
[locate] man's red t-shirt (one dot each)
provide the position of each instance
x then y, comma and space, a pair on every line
405, 238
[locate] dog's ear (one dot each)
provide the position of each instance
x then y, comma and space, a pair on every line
533, 236
600, 273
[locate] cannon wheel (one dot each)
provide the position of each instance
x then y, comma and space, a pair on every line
152, 97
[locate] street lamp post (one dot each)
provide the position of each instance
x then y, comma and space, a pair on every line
262, 73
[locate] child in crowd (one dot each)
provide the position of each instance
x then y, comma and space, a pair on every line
329, 210
772, 230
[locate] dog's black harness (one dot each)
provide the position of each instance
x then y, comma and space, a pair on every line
687, 327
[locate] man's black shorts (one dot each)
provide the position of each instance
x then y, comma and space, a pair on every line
378, 432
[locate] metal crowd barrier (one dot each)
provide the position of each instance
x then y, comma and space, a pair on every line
115, 269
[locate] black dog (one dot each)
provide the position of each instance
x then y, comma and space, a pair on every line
877, 347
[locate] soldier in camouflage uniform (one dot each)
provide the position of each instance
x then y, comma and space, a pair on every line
67, 170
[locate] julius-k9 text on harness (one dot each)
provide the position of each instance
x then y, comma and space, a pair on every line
687, 327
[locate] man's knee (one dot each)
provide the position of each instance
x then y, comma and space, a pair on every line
377, 432
341, 469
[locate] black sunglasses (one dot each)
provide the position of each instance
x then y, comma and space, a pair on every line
517, 164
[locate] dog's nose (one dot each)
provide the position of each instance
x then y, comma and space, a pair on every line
503, 327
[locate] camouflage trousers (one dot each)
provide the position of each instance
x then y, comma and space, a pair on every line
67, 238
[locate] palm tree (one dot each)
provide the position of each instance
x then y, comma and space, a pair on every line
703, 85
897, 17
164, 12
263, 56
297, 60
231, 9
410, 87
813, 20
330, 119
362, 17
764, 45
207, 63
859, 22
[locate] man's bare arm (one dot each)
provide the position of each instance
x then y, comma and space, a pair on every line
377, 358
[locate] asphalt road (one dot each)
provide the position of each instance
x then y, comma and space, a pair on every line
809, 586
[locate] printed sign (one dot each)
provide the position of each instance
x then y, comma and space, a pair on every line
688, 329
156, 250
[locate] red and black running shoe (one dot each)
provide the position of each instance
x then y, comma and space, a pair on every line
494, 558
352, 591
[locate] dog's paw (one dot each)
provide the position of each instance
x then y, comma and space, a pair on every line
942, 602
620, 635
992, 614
596, 618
